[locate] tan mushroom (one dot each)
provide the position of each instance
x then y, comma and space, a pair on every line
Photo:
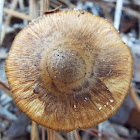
68, 70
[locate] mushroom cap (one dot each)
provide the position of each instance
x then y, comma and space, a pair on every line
68, 70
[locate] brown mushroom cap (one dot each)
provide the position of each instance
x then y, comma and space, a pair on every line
69, 70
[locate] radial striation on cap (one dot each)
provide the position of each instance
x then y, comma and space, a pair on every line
68, 70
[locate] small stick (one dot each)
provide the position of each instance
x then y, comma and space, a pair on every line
118, 14
129, 25
0, 135
76, 134
51, 134
86, 135
58, 136
21, 6
70, 135
1, 16
135, 98
7, 22
43, 133
5, 88
125, 9
55, 3
34, 131
107, 14
17, 14
139, 25
93, 134
107, 134
33, 8
44, 6
48, 4
52, 11
71, 5
100, 129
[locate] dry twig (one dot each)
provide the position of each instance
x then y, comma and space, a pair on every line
70, 135
94, 131
58, 136
118, 14
7, 22
129, 25
76, 134
34, 131
107, 14
107, 134
71, 5
93, 134
1, 16
125, 9
17, 14
44, 6
33, 8
5, 88
43, 133
51, 134
135, 98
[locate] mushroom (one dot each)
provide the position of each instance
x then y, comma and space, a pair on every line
69, 69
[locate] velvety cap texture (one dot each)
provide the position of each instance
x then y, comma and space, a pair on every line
68, 70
